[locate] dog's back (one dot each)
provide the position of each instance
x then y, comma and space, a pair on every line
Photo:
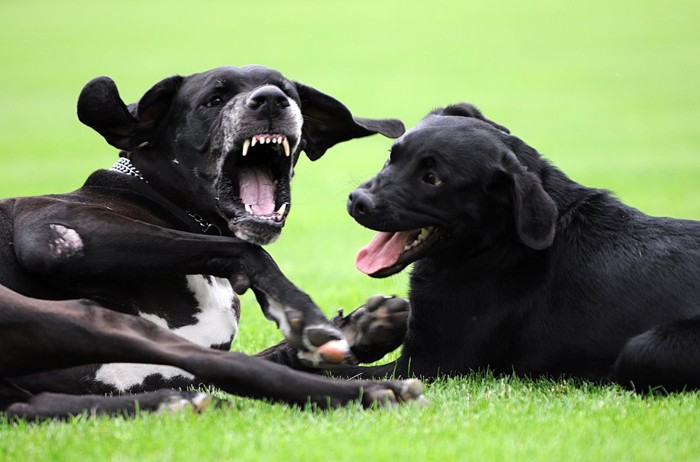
612, 273
619, 257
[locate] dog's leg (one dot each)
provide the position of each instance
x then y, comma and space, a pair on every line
61, 406
665, 358
39, 335
282, 353
99, 245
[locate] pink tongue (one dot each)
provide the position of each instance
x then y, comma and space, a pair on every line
382, 252
257, 190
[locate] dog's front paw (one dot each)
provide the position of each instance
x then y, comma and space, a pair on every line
318, 342
392, 393
376, 328
324, 345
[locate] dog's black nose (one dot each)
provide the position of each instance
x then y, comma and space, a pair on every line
268, 100
360, 203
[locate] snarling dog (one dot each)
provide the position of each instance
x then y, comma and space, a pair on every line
520, 269
160, 242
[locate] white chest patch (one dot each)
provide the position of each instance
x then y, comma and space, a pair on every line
216, 324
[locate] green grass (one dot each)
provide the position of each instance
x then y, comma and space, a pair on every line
470, 419
606, 90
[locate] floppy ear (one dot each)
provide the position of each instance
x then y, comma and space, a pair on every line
468, 110
328, 122
101, 108
534, 210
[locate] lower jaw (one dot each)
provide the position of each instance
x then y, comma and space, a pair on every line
386, 272
256, 231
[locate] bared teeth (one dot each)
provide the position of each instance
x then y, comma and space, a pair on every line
267, 139
422, 236
277, 216
282, 209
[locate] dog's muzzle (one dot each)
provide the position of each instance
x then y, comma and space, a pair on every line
260, 137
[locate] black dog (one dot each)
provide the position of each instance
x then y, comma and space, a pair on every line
203, 180
520, 269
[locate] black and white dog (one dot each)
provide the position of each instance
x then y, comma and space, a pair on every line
520, 269
160, 242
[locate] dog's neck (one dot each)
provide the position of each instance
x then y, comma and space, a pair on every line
124, 165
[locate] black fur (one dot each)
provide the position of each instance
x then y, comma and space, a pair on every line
129, 247
528, 271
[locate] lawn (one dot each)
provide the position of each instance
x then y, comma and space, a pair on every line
608, 91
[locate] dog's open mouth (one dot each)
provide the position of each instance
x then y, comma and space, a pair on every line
257, 187
260, 174
390, 252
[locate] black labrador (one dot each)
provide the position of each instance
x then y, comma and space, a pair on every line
520, 269
140, 264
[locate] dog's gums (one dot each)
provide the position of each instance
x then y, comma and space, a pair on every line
390, 252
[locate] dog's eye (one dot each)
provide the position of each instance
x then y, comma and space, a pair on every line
215, 101
431, 178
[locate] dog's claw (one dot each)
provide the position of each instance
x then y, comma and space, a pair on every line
375, 328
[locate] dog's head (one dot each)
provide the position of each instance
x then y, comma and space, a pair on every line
456, 183
223, 143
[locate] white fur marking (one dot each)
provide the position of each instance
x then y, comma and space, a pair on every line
65, 242
276, 310
123, 376
216, 320
216, 324
231, 120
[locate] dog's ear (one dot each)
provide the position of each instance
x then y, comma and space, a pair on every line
467, 110
101, 108
534, 210
327, 122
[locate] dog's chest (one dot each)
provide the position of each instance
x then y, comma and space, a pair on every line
216, 312
215, 324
